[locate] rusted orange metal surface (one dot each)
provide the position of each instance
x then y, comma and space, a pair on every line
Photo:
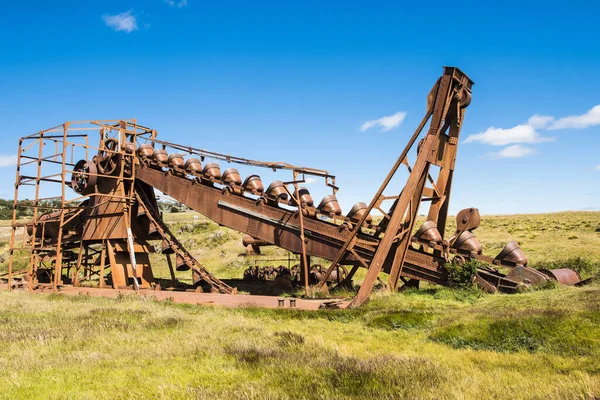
103, 235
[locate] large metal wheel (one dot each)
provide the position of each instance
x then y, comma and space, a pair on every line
84, 177
108, 157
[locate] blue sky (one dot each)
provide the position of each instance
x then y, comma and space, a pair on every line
296, 82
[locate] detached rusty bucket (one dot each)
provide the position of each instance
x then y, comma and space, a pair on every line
566, 276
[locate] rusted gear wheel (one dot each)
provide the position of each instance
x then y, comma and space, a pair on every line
108, 159
465, 98
343, 271
84, 177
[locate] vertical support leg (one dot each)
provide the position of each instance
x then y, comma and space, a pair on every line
131, 247
31, 277
86, 266
304, 270
57, 281
102, 265
34, 269
404, 241
117, 270
303, 258
33, 262
75, 277
59, 253
14, 218
170, 264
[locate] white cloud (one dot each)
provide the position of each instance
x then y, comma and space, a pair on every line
501, 137
125, 21
513, 151
539, 121
590, 118
598, 167
527, 133
308, 181
8, 160
178, 4
385, 123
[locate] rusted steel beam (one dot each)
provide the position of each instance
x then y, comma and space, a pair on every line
274, 225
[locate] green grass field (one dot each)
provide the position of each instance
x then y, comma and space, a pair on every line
434, 343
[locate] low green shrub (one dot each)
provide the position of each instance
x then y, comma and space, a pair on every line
460, 275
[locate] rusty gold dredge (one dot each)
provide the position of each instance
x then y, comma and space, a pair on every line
100, 239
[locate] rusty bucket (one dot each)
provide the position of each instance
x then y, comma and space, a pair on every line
160, 156
253, 184
145, 151
429, 232
357, 211
330, 205
192, 166
166, 247
181, 265
467, 242
128, 148
152, 230
176, 160
305, 197
212, 171
231, 176
276, 190
512, 254
566, 276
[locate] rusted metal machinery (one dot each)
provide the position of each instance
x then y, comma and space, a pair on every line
104, 233
316, 273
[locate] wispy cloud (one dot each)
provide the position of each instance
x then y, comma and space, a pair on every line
514, 138
513, 151
126, 21
385, 123
178, 4
308, 181
590, 118
8, 160
525, 133
598, 167
539, 121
